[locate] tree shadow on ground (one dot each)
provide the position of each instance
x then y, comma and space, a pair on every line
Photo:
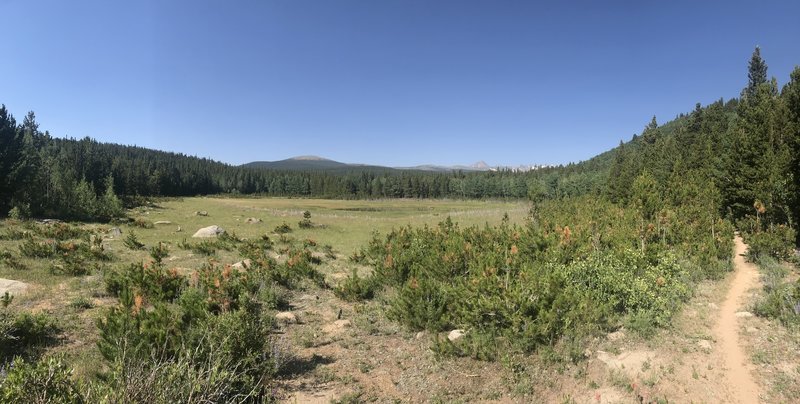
299, 366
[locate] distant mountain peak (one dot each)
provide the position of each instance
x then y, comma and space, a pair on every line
481, 165
309, 158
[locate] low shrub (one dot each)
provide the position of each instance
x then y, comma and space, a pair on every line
169, 334
132, 242
521, 288
13, 234
46, 381
355, 288
781, 299
283, 228
776, 241
306, 223
255, 249
10, 260
210, 247
144, 279
142, 223
81, 303
32, 248
25, 333
61, 231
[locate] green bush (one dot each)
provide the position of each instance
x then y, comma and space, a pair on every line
46, 381
524, 287
37, 249
132, 241
256, 249
13, 234
776, 241
61, 231
73, 265
355, 288
781, 299
214, 329
306, 223
144, 279
25, 333
208, 247
10, 260
143, 223
158, 252
283, 228
188, 377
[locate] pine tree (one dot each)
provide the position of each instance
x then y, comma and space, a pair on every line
756, 74
9, 156
791, 99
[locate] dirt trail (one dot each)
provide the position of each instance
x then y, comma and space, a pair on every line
739, 376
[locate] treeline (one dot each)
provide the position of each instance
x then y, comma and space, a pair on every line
55, 177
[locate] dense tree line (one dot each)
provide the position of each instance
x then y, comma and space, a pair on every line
739, 157
49, 176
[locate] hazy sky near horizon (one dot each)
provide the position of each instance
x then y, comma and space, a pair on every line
389, 82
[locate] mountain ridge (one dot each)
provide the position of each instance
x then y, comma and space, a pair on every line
312, 162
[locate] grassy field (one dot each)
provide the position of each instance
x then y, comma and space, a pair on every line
78, 301
345, 225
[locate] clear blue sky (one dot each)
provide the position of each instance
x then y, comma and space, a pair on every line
376, 81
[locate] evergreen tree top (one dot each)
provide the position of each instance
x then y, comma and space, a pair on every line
756, 73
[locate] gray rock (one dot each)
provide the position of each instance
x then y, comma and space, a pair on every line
705, 344
743, 314
201, 213
12, 287
210, 231
252, 220
456, 335
114, 231
162, 222
244, 264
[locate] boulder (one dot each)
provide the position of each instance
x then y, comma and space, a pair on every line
252, 220
705, 344
456, 335
12, 287
114, 231
201, 213
743, 314
244, 264
210, 231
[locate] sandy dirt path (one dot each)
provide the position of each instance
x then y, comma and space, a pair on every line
742, 386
